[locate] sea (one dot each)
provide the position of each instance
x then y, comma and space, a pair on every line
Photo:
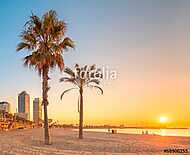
161, 132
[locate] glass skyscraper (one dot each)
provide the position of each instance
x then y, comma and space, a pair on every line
24, 104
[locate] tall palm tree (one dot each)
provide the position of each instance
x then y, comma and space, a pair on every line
45, 40
81, 77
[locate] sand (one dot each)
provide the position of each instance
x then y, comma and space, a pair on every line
65, 142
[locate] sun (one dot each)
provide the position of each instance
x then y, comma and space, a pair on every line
163, 119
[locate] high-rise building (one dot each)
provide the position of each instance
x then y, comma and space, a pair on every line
24, 104
37, 110
5, 106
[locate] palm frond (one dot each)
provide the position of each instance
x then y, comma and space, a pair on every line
35, 24
66, 92
93, 67
69, 80
69, 72
23, 45
99, 88
64, 79
96, 81
59, 61
76, 65
67, 42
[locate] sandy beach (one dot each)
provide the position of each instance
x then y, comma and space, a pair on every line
65, 142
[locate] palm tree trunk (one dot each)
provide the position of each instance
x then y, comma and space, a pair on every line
45, 89
81, 115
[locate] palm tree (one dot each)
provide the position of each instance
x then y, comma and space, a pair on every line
87, 76
45, 40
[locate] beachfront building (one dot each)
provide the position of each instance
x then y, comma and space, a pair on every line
37, 111
21, 115
4, 111
24, 105
5, 106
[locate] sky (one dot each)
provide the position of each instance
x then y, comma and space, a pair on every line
146, 42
